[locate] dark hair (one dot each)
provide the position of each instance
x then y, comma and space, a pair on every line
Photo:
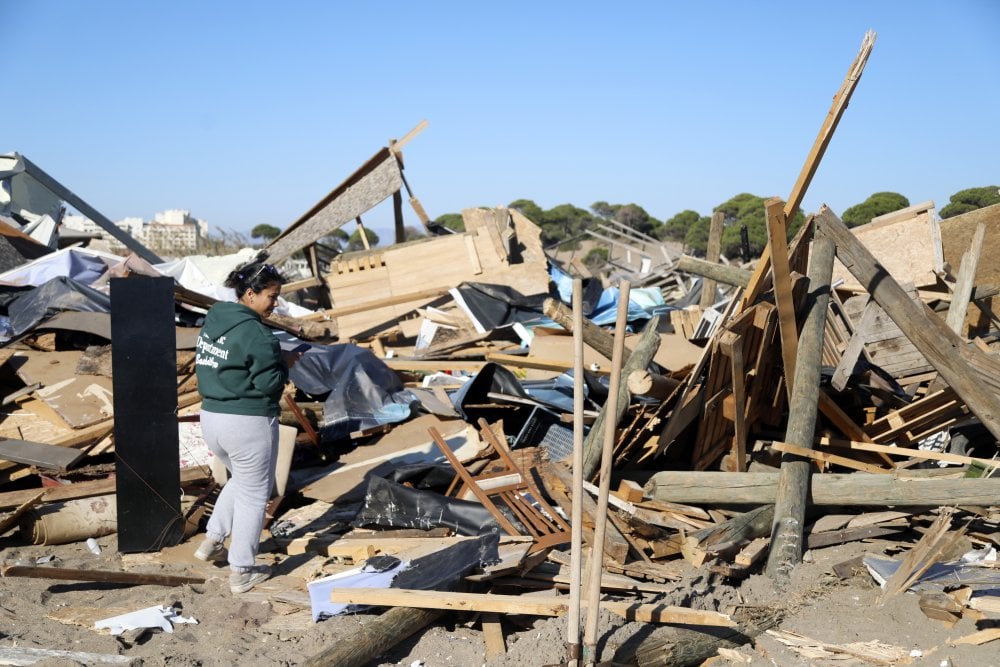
254, 275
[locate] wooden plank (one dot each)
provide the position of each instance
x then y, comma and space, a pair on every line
913, 453
782, 283
519, 604
965, 282
845, 367
827, 457
39, 454
732, 346
21, 655
493, 636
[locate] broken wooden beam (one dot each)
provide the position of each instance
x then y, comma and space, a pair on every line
708, 286
850, 489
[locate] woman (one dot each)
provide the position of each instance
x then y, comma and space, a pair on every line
241, 375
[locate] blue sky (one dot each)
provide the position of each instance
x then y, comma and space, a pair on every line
249, 112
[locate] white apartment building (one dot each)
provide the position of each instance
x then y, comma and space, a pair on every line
171, 233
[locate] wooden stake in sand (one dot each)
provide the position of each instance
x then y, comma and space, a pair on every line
601, 519
576, 520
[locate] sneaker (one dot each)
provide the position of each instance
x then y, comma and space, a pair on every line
241, 582
210, 551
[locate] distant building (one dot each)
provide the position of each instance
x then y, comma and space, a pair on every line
171, 233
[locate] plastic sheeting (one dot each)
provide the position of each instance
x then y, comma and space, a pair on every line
83, 266
492, 306
58, 294
391, 505
360, 391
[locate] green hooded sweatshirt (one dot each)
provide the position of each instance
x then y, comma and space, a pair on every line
239, 365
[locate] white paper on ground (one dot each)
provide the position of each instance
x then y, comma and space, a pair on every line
150, 617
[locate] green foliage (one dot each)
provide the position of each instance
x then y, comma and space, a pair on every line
596, 258
561, 223
528, 209
676, 228
696, 236
355, 242
264, 231
630, 215
452, 221
746, 209
411, 233
878, 204
964, 201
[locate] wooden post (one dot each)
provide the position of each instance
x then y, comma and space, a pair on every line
649, 343
573, 653
397, 211
374, 638
593, 335
730, 275
793, 483
601, 520
708, 286
941, 346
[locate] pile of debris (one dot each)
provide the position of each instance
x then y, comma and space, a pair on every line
428, 434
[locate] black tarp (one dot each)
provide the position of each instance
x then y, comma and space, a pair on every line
357, 389
59, 294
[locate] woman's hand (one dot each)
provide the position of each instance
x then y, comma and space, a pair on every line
291, 358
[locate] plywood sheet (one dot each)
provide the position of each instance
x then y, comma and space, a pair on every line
906, 243
956, 236
81, 400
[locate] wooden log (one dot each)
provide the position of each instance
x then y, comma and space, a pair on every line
597, 338
708, 286
939, 344
374, 638
102, 576
730, 275
852, 489
652, 385
793, 481
645, 349
687, 647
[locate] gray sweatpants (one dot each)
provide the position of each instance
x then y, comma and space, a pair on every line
248, 446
